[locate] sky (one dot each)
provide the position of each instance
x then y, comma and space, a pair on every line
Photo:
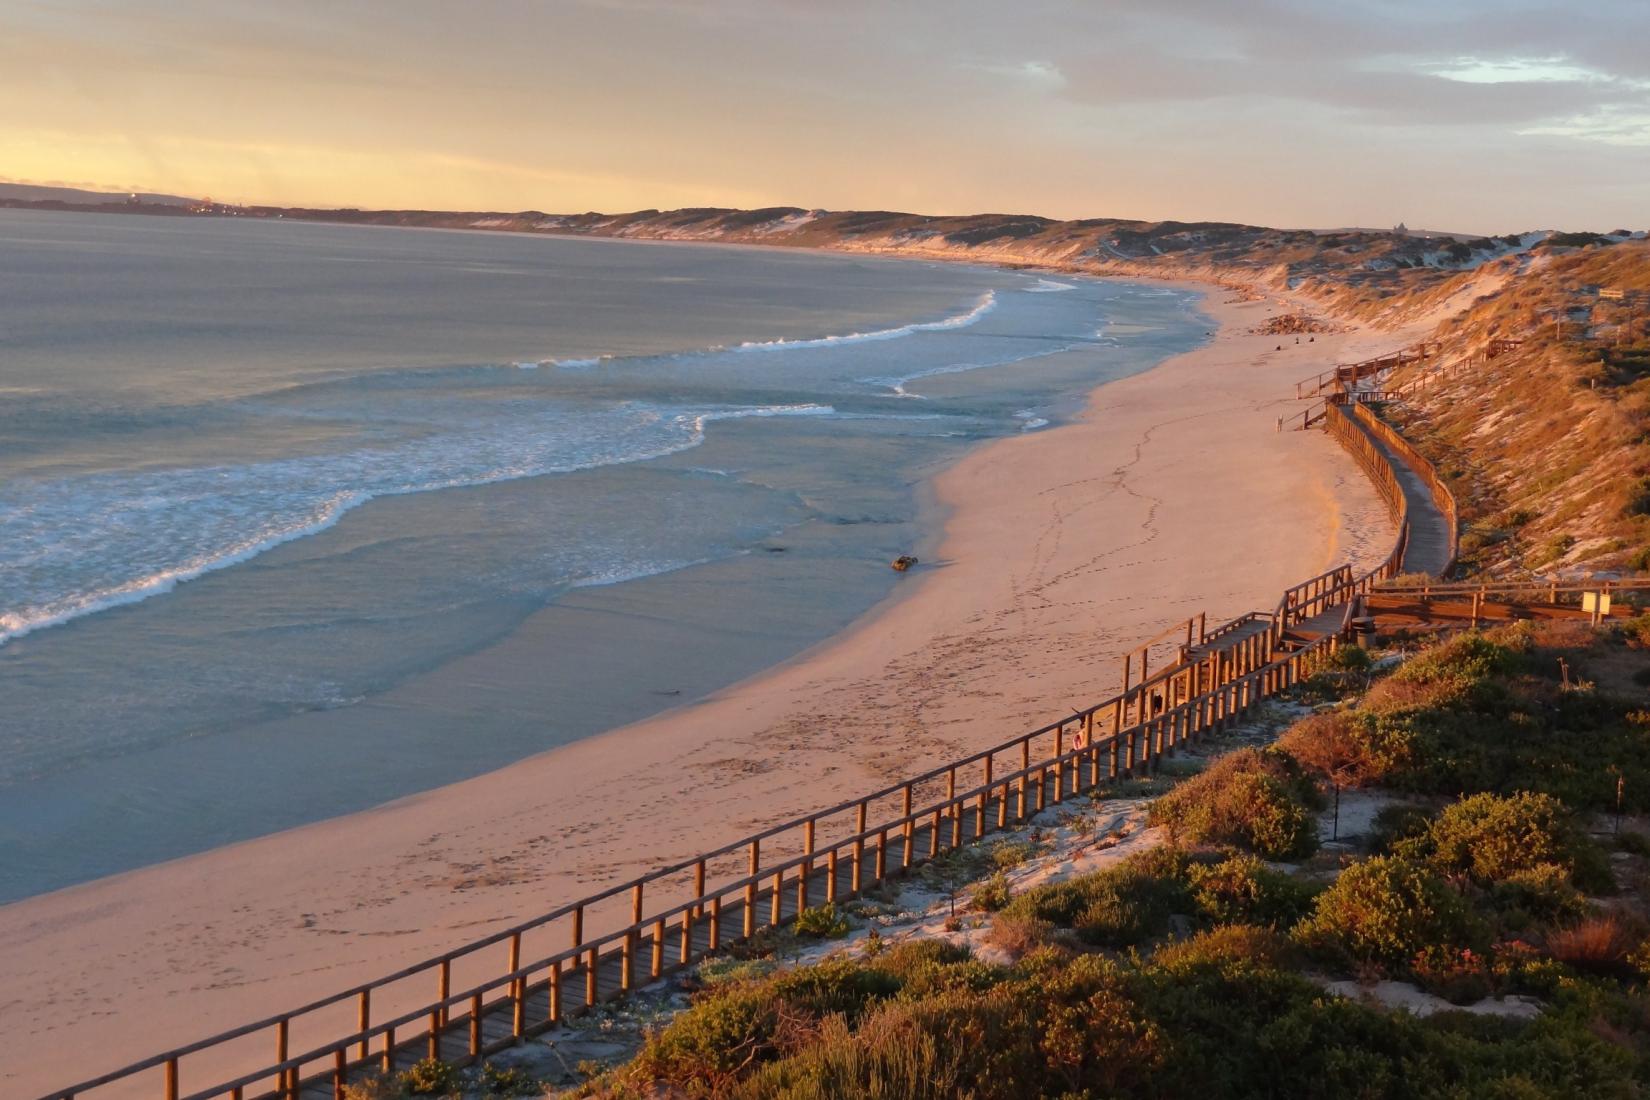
1459, 115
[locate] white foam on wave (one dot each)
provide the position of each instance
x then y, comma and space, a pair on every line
986, 303
47, 523
897, 384
1049, 286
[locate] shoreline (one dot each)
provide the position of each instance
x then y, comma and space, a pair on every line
420, 874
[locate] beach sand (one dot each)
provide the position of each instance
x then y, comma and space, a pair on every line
1060, 550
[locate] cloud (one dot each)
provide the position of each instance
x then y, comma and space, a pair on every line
1445, 64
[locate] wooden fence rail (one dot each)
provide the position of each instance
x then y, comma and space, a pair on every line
518, 983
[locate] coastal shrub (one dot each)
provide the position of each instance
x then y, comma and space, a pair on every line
992, 894
508, 1081
822, 922
377, 1087
1485, 712
430, 1077
1395, 822
1116, 907
1260, 801
1539, 895
1242, 889
1225, 946
1386, 910
1009, 854
737, 1026
1213, 1015
1017, 936
1488, 838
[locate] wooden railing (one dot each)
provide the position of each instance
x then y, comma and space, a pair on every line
1553, 590
491, 992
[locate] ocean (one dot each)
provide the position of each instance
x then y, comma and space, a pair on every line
254, 470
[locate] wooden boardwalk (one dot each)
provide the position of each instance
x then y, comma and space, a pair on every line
1430, 548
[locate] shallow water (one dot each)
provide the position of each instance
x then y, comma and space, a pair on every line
250, 471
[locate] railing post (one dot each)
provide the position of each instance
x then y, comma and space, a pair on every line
172, 1079
1025, 777
281, 1029
443, 986
1059, 752
802, 882
859, 846
363, 1017
476, 1011
750, 888
985, 796
907, 855
516, 985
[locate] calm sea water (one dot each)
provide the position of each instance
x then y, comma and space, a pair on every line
254, 470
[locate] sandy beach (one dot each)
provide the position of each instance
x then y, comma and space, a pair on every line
1059, 551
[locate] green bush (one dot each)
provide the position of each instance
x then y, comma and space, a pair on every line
430, 1077
822, 922
992, 894
1489, 837
1244, 890
1386, 910
1117, 907
1396, 822
1260, 801
1539, 895
508, 1081
1213, 1015
1226, 947
739, 1026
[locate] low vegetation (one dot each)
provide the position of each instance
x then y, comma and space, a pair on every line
1204, 966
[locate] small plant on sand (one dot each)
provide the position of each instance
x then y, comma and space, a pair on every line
1009, 854
1017, 936
822, 922
430, 1078
992, 894
376, 1087
508, 1081
1117, 907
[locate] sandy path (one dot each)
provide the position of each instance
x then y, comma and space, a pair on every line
1061, 550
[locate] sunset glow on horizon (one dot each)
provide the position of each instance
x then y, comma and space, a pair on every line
1469, 115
